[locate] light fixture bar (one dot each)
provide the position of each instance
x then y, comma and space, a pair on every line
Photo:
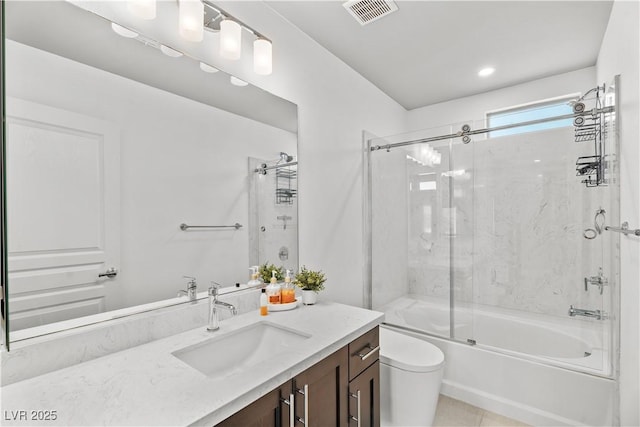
224, 15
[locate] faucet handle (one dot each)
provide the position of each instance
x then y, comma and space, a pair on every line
213, 289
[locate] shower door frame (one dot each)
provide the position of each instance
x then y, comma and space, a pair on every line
369, 148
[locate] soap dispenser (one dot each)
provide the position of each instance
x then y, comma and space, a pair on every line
288, 290
255, 277
273, 289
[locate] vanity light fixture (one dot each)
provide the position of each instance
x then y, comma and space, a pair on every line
143, 9
170, 52
195, 16
236, 81
485, 72
230, 33
230, 39
190, 18
208, 68
262, 57
122, 31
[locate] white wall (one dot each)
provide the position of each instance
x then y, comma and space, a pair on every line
335, 104
475, 107
619, 55
181, 161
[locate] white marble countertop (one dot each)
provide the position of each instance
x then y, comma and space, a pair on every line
147, 385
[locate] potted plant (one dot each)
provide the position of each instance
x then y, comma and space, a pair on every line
311, 282
266, 269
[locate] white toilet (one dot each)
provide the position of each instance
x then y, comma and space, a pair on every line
410, 379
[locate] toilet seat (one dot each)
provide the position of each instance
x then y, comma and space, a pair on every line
408, 353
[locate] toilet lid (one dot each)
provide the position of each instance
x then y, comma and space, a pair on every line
409, 353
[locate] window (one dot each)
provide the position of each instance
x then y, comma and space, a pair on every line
529, 112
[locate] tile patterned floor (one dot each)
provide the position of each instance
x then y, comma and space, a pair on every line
451, 412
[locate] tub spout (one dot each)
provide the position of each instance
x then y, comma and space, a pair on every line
596, 314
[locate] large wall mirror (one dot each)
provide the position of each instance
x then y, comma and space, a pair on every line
111, 145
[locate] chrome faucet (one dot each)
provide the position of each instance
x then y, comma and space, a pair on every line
192, 289
214, 303
596, 314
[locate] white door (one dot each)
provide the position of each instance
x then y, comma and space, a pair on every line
63, 197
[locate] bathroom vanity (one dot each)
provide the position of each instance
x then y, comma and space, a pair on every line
339, 390
249, 368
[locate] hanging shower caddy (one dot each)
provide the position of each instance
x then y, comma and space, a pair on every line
590, 126
285, 188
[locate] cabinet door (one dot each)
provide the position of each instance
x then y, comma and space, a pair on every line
268, 411
321, 392
364, 398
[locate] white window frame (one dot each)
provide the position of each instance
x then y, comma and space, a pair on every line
526, 107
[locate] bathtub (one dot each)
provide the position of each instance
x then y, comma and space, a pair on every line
540, 370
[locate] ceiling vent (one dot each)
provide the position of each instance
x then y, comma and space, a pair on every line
367, 11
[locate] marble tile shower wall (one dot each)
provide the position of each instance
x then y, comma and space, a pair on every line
517, 215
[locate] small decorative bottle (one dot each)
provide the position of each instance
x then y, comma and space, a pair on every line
287, 291
264, 309
273, 289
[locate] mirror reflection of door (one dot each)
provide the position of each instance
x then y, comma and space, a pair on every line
63, 207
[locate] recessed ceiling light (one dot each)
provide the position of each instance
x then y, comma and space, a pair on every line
486, 71
122, 31
170, 52
208, 68
237, 82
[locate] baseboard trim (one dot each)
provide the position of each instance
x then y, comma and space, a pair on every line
502, 406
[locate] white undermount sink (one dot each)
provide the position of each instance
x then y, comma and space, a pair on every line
235, 351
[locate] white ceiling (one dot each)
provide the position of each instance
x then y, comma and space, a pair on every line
430, 51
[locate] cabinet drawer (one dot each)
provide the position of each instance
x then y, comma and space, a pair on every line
363, 352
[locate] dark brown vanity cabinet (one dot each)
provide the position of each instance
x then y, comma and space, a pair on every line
268, 411
340, 390
364, 380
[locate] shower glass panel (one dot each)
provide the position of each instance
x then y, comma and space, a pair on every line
530, 214
498, 241
419, 222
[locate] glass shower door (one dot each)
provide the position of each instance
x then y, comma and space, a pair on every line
531, 260
416, 216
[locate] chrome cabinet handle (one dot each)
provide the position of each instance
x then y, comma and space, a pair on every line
372, 350
292, 408
110, 273
351, 417
305, 393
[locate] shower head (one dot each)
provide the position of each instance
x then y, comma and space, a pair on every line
284, 157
